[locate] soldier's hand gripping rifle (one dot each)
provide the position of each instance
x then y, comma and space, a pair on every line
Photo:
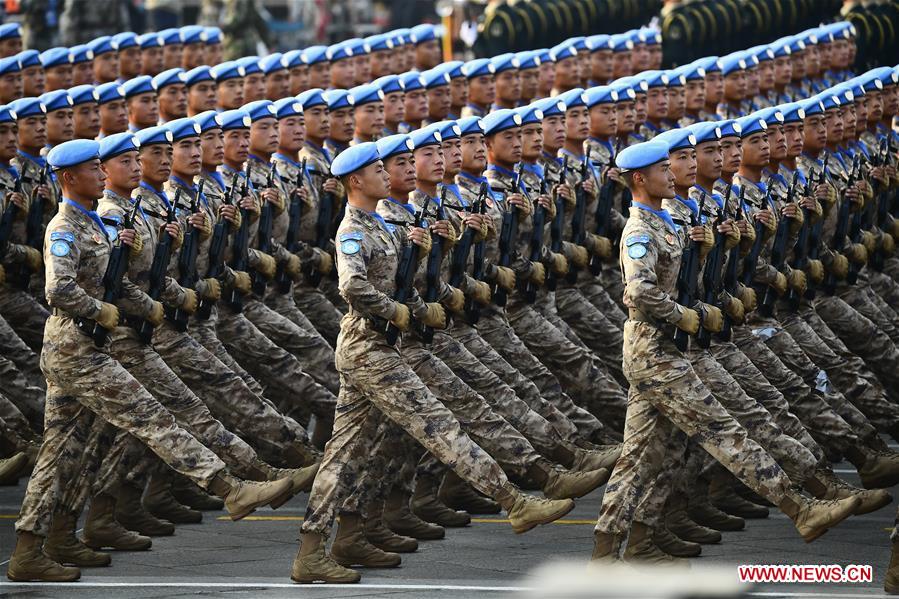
687, 277
292, 240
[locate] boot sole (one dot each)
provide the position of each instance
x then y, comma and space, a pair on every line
326, 580
98, 546
391, 549
352, 564
15, 578
441, 522
552, 518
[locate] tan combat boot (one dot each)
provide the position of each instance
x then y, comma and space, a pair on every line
63, 547
298, 455
28, 563
891, 580
671, 544
603, 456
11, 468
701, 511
606, 547
158, 500
813, 517
459, 495
243, 497
186, 492
382, 537
829, 486
526, 511
102, 530
351, 548
400, 519
301, 480
130, 513
880, 469
641, 549
723, 497
678, 522
426, 506
313, 564
564, 484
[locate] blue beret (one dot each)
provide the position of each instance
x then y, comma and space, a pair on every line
10, 31
213, 35
29, 58
101, 45
812, 106
732, 62
849, 92
124, 40
193, 34
227, 70
730, 128
471, 125
824, 35
529, 114
830, 99
149, 40
412, 81
691, 72
170, 77
389, 84
573, 98
250, 64
751, 59
579, 43
260, 109
154, 135
499, 120
315, 54
198, 75
762, 53
677, 139
448, 130
55, 57
453, 68
73, 153
235, 119
601, 94
82, 94
273, 62
651, 36
551, 106
403, 36
675, 79
771, 115
339, 51
426, 136
366, 94
116, 144
286, 107
621, 42
478, 67
529, 59
293, 58
110, 92
504, 62
312, 97
642, 155
751, 124
56, 100
792, 112
562, 51
183, 128
887, 75
543, 53
710, 64
797, 44
139, 85
208, 120
705, 131
354, 158
654, 78
10, 64
781, 47
424, 33
809, 36
81, 53
435, 77
596, 43
381, 41
171, 36
625, 90
7, 114
394, 145
358, 46
24, 107
636, 36
635, 82
338, 98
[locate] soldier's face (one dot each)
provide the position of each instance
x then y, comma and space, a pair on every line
875, 106
60, 126
657, 181
709, 160
113, 117
401, 170
10, 47
201, 97
277, 85
797, 60
778, 142
130, 62
568, 73
508, 86
343, 74
379, 63
212, 148
33, 132
370, 119
601, 65
342, 124
528, 84
732, 154
474, 153
531, 142
627, 116
11, 87
156, 164
264, 136
621, 64
657, 103
362, 69
735, 86
8, 139
714, 88
640, 108
783, 70
766, 75
123, 171
83, 182
814, 133
33, 81
452, 155
839, 54
833, 120
694, 96
577, 123
505, 147
83, 73
793, 134
655, 56
299, 80
683, 166
546, 78
459, 91
143, 110
230, 93
482, 90
584, 66
193, 55
152, 62
172, 55
253, 88
416, 105
430, 165
553, 133
427, 54
213, 54
320, 75
640, 58
604, 120
677, 102
812, 59
59, 77
187, 156
890, 97
106, 67
173, 101
824, 52
439, 103
291, 133
372, 182
757, 150
752, 82
851, 51
318, 125
394, 108
848, 114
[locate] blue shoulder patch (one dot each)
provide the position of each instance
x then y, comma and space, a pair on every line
111, 232
350, 247
636, 251
352, 235
62, 236
60, 249
391, 228
640, 238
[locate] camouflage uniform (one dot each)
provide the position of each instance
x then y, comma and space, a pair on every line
84, 20
373, 375
243, 28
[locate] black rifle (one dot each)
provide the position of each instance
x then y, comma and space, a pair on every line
711, 275
557, 227
116, 269
752, 259
405, 277
844, 217
527, 287
322, 232
779, 250
432, 272
217, 247
34, 228
292, 240
264, 234
687, 277
8, 219
579, 217
187, 260
507, 236
240, 247
603, 216
158, 270
880, 209
814, 240
732, 269
801, 250
462, 249
479, 264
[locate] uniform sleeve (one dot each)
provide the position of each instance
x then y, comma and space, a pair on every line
172, 293
134, 301
641, 289
60, 287
356, 289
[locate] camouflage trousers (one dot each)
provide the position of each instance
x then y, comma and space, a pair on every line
666, 399
25, 314
885, 286
599, 333
204, 331
869, 304
383, 381
27, 398
318, 309
19, 353
606, 293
